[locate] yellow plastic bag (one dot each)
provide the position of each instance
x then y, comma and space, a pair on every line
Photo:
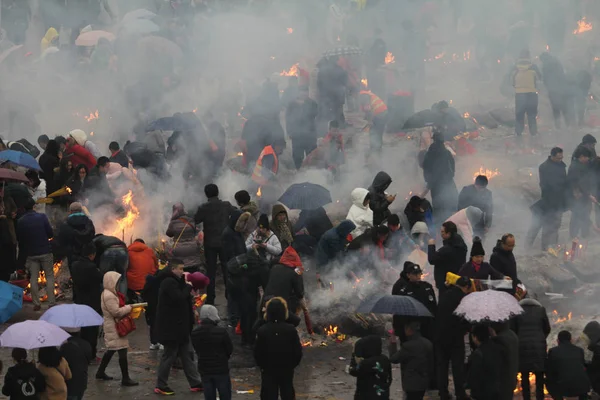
136, 312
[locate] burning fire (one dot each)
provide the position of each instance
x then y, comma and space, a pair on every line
389, 58
290, 30
293, 71
133, 213
582, 26
441, 55
364, 82
42, 281
259, 192
331, 331
531, 383
466, 115
489, 173
240, 154
307, 343
558, 319
92, 116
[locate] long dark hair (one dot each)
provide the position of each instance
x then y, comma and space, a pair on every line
49, 357
52, 148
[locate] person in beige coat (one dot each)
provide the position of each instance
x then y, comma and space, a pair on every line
56, 372
113, 311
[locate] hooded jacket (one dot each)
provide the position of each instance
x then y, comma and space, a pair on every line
284, 230
233, 241
278, 348
285, 279
332, 243
525, 76
112, 312
533, 328
23, 381
46, 42
76, 232
374, 372
248, 221
378, 202
142, 262
504, 261
592, 331
361, 215
449, 258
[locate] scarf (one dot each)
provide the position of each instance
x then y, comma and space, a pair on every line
476, 267
282, 231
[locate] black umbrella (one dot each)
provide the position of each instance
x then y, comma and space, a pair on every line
305, 196
393, 304
421, 119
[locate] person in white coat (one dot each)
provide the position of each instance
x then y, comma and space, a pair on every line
360, 213
263, 240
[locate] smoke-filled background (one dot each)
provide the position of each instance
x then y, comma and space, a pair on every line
214, 56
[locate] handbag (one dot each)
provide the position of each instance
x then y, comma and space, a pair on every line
124, 325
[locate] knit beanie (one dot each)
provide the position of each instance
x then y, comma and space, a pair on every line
198, 280
263, 221
477, 249
209, 312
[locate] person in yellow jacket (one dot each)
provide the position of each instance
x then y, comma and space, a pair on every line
376, 113
525, 78
50, 39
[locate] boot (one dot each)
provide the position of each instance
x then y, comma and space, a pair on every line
126, 380
100, 374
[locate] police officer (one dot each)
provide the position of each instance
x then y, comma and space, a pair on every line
410, 284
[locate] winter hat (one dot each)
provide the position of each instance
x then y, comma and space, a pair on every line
209, 312
411, 268
79, 136
198, 280
477, 249
419, 227
588, 139
263, 221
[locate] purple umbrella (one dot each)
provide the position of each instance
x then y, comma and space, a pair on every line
72, 316
30, 335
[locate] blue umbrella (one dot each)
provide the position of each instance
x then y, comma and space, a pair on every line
72, 316
305, 196
20, 159
393, 304
11, 300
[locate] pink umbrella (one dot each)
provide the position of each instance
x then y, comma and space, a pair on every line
10, 175
91, 38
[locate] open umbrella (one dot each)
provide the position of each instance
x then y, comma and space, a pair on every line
30, 335
72, 316
343, 51
393, 304
305, 196
140, 13
488, 306
90, 39
11, 300
10, 175
20, 159
138, 27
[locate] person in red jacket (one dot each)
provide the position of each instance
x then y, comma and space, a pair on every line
79, 154
142, 262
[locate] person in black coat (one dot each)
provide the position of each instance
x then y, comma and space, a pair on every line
478, 195
410, 284
49, 161
286, 281
379, 200
502, 259
213, 347
213, 215
509, 342
532, 327
565, 373
277, 352
77, 231
23, 380
373, 372
581, 184
592, 333
449, 340
117, 155
548, 211
476, 268
450, 257
78, 354
150, 296
484, 365
87, 290
416, 362
300, 116
174, 321
438, 171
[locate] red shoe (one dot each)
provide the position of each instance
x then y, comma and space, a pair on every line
238, 329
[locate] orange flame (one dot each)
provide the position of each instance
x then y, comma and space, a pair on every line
92, 116
531, 383
466, 115
331, 331
307, 343
42, 281
389, 58
69, 190
441, 55
489, 173
240, 154
582, 26
365, 82
558, 319
133, 214
293, 71
259, 192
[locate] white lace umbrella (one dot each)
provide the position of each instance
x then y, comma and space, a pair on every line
488, 306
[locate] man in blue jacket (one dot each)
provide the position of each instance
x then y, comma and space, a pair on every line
34, 234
